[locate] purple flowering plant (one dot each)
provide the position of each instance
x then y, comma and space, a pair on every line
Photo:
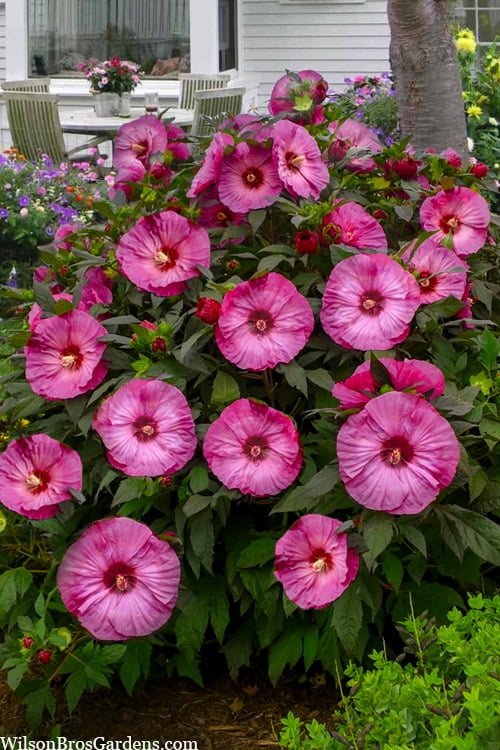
370, 99
260, 361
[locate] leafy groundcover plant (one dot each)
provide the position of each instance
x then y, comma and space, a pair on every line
256, 411
445, 697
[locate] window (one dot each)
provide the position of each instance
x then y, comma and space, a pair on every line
227, 35
63, 33
482, 16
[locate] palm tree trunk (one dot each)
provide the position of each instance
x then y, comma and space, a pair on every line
426, 75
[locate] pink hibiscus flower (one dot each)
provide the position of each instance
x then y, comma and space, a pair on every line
36, 473
64, 357
35, 315
119, 580
253, 448
127, 175
314, 563
248, 178
298, 94
439, 272
351, 224
138, 140
147, 428
352, 134
415, 375
262, 322
397, 454
213, 213
369, 302
461, 215
162, 251
298, 160
208, 173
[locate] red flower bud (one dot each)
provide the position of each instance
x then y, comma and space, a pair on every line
319, 91
45, 657
306, 242
406, 168
148, 325
27, 642
233, 265
208, 310
158, 344
479, 170
166, 481
379, 214
338, 149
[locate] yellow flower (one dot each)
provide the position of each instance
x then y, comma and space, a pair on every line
474, 111
466, 45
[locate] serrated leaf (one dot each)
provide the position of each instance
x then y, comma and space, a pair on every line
37, 701
303, 497
347, 617
488, 353
295, 375
311, 643
321, 378
225, 389
463, 529
415, 537
74, 689
136, 661
195, 504
393, 570
129, 489
198, 479
202, 538
285, 651
239, 648
257, 553
13, 585
377, 531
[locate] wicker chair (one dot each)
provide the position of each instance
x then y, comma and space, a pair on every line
213, 106
33, 84
191, 82
35, 127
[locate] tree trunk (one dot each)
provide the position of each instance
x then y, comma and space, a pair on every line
426, 75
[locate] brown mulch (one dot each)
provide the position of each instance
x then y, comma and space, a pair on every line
222, 715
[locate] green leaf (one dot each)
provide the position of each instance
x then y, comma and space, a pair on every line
225, 389
488, 353
202, 538
191, 625
195, 504
198, 479
393, 570
37, 701
255, 219
321, 378
377, 531
295, 375
13, 585
300, 497
238, 649
74, 689
136, 661
463, 529
257, 553
347, 617
129, 489
311, 643
286, 650
415, 537
219, 607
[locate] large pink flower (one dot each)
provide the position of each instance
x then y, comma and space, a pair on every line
352, 134
440, 273
298, 160
351, 224
253, 448
460, 214
298, 94
138, 141
314, 563
162, 251
119, 580
64, 357
415, 375
368, 303
397, 454
36, 473
147, 427
262, 322
248, 178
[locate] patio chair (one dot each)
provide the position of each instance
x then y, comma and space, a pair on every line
33, 84
213, 106
191, 82
35, 127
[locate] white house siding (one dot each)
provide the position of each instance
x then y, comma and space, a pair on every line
336, 38
4, 127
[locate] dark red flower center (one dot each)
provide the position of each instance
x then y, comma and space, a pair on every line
223, 215
449, 223
256, 448
253, 178
427, 282
37, 481
165, 257
294, 161
371, 303
320, 560
71, 357
260, 322
119, 576
332, 232
145, 429
397, 451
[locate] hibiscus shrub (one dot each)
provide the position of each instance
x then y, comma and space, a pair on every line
256, 411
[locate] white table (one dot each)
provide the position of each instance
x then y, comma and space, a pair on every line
85, 120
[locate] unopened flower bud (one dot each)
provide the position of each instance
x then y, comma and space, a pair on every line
27, 642
158, 344
338, 149
45, 656
405, 168
479, 170
306, 242
208, 310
